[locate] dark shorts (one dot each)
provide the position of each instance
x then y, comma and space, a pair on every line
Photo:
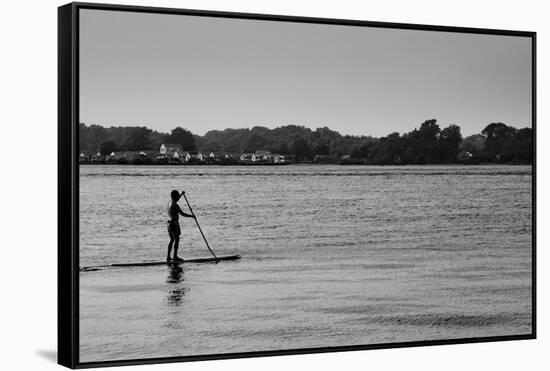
174, 230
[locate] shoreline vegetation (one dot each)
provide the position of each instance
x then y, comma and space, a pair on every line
428, 144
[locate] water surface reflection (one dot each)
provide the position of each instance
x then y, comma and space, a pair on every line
175, 290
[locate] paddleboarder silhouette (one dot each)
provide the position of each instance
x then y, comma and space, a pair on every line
174, 230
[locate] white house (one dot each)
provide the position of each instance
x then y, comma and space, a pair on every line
278, 159
261, 156
169, 148
246, 156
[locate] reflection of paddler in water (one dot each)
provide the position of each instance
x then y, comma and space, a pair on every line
174, 230
175, 277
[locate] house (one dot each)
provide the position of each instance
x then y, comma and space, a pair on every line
201, 157
246, 156
83, 157
98, 157
464, 156
278, 159
261, 156
227, 158
139, 157
120, 158
170, 148
188, 156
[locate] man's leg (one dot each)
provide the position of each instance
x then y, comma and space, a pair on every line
176, 245
170, 244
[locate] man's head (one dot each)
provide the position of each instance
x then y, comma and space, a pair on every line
175, 195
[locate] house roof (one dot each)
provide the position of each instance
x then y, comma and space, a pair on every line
171, 145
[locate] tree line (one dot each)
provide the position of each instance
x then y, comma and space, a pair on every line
96, 138
429, 143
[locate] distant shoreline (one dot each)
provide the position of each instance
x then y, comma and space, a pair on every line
312, 164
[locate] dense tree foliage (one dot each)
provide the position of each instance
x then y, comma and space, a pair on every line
107, 147
184, 137
475, 144
126, 138
137, 139
428, 143
505, 143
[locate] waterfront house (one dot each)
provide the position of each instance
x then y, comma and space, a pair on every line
261, 156
188, 156
120, 158
246, 156
464, 156
185, 156
170, 148
84, 158
98, 157
279, 159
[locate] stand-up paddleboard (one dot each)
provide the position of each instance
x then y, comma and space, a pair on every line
163, 262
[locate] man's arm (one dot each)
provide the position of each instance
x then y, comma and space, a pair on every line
180, 211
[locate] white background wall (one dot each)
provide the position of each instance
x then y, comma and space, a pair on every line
28, 182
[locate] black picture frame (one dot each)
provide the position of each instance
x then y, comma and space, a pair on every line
68, 181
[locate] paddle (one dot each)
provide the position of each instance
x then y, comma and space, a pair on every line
198, 225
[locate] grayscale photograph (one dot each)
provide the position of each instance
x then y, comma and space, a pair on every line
250, 185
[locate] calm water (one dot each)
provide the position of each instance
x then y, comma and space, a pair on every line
332, 255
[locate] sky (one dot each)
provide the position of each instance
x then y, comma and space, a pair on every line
204, 73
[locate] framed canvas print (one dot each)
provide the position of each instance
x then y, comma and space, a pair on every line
238, 185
